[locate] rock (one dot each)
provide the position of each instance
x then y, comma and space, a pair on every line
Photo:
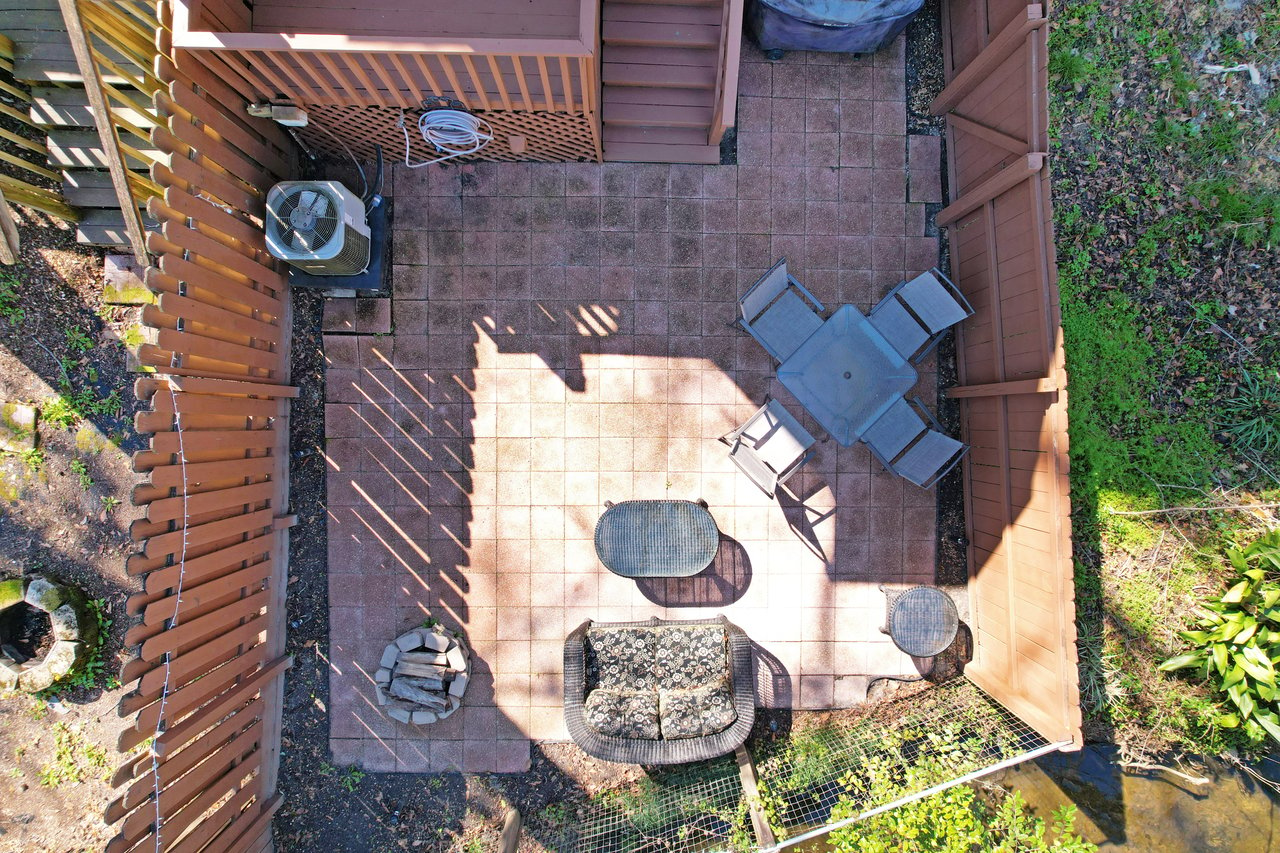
66, 624
420, 669
382, 676
400, 715
17, 427
44, 594
381, 696
424, 657
434, 641
421, 717
459, 685
389, 655
10, 592
445, 714
8, 676
457, 659
408, 642
60, 661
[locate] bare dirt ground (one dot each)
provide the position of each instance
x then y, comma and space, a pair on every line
66, 516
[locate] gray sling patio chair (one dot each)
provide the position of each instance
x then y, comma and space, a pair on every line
918, 452
779, 312
770, 446
914, 315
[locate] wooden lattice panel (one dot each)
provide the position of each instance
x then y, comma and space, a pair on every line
549, 137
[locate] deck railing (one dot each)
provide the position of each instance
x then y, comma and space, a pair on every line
726, 98
526, 78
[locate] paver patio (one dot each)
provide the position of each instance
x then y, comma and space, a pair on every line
561, 338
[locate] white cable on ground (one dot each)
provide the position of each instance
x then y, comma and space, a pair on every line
454, 133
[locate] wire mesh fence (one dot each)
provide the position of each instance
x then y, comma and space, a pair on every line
821, 771
694, 807
847, 765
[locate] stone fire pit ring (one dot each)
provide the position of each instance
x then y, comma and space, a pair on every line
423, 675
72, 623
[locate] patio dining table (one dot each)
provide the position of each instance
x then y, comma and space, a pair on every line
846, 375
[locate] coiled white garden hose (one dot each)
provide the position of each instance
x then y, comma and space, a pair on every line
454, 133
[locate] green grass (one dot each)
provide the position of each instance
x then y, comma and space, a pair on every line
75, 759
1161, 189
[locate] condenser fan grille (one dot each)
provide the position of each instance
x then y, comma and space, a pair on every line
305, 220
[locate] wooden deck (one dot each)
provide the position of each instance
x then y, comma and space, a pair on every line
381, 18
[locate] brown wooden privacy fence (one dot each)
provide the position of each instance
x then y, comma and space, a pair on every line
209, 630
1012, 390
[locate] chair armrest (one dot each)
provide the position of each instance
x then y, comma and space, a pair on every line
800, 287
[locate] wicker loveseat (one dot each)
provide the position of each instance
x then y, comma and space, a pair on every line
658, 692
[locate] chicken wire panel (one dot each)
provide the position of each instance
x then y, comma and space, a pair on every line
833, 770
694, 808
548, 137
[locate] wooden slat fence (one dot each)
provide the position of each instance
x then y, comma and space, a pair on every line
1011, 363
212, 536
27, 154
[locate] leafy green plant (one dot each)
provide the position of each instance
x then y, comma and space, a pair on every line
351, 779
110, 502
81, 470
33, 458
95, 671
75, 758
1253, 416
957, 820
78, 340
1238, 641
59, 411
10, 306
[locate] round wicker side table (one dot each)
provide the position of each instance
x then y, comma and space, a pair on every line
923, 621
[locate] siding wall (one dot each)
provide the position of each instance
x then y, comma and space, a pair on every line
1012, 369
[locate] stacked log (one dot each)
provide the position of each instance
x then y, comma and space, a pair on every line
423, 675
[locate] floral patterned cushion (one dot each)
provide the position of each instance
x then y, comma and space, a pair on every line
689, 657
621, 659
696, 713
624, 713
